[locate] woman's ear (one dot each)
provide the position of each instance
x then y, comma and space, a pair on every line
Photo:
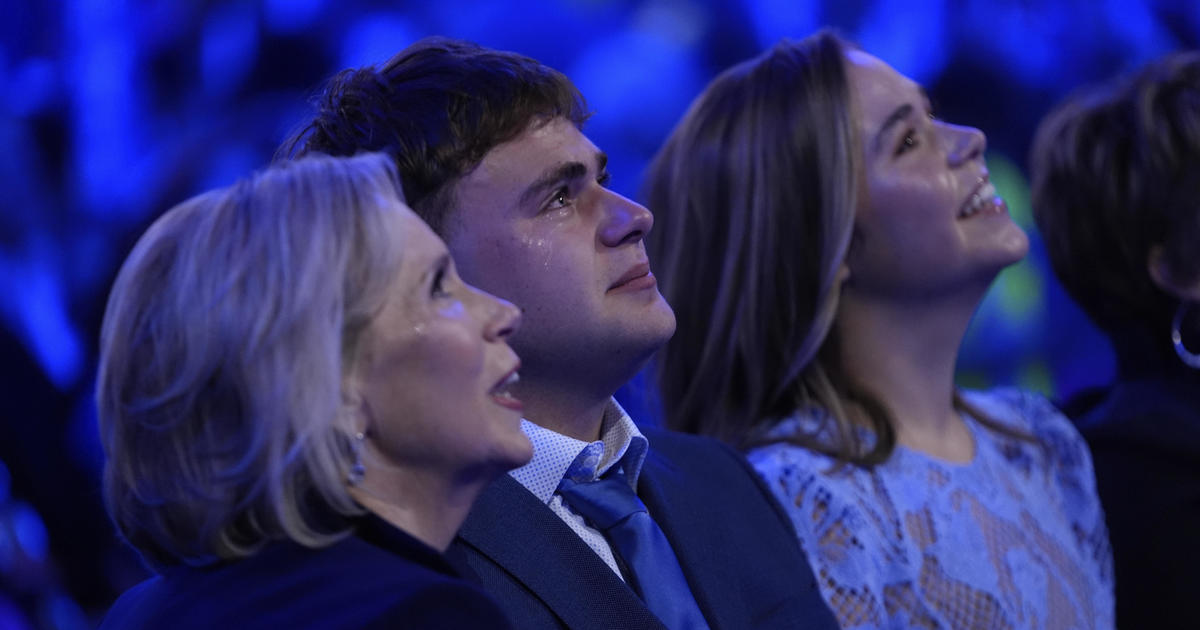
1163, 278
843, 274
353, 409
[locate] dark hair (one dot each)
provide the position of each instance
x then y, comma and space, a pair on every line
437, 107
1116, 171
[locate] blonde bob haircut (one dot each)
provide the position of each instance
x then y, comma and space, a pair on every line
225, 342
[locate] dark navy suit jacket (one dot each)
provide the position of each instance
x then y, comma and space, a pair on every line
736, 547
378, 578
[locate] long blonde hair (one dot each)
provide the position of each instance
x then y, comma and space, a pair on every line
754, 197
222, 359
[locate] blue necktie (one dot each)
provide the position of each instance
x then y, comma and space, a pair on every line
610, 505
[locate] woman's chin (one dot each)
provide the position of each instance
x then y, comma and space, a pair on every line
518, 453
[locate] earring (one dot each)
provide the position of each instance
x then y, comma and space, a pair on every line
1189, 358
357, 470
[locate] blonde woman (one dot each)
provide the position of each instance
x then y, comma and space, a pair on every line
825, 240
299, 401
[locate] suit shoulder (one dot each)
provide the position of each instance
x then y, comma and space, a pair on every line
704, 464
685, 446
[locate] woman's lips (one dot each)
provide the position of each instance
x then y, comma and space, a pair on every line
983, 201
502, 392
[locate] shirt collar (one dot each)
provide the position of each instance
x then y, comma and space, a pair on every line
555, 454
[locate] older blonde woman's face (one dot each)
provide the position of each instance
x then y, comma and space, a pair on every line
928, 218
434, 368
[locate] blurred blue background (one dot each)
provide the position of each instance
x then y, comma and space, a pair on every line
113, 111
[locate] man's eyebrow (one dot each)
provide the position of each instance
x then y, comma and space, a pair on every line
566, 171
900, 113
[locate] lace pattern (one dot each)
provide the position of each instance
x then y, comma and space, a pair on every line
1013, 539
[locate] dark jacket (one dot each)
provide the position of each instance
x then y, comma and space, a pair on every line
736, 548
1145, 441
380, 577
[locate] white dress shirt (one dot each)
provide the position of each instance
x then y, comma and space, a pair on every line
554, 453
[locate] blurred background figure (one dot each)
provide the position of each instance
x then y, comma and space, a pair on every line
31, 588
825, 239
299, 402
1116, 184
113, 111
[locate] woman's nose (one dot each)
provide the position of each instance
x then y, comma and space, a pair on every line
966, 144
504, 318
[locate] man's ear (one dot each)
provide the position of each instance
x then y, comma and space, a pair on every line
1160, 274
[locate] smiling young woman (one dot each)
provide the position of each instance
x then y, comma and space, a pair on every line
825, 240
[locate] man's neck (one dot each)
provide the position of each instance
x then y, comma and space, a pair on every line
579, 417
567, 400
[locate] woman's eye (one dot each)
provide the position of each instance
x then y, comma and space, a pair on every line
908, 143
605, 179
436, 288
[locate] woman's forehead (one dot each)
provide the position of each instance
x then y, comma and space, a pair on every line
878, 88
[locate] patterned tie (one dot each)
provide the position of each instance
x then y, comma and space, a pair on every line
610, 505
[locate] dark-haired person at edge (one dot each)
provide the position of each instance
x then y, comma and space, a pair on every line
610, 525
848, 235
1116, 195
299, 401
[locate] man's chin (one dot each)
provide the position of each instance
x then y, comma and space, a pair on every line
665, 315
655, 327
650, 340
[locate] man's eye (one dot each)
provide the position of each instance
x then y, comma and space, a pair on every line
561, 198
605, 179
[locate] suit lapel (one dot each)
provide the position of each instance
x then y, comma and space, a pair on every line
701, 550
509, 525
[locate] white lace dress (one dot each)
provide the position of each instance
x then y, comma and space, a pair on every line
1013, 539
